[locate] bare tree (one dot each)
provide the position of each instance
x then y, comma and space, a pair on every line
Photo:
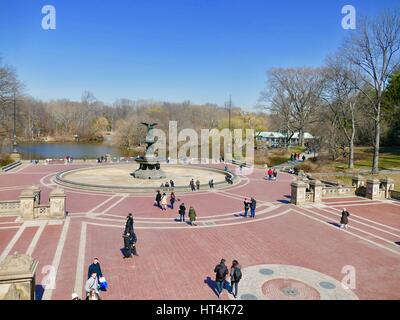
295, 94
374, 50
341, 96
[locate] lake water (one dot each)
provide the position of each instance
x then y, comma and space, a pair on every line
31, 151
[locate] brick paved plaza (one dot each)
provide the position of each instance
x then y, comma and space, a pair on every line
286, 252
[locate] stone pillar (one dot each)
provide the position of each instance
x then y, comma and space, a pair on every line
357, 181
27, 203
316, 187
298, 195
388, 185
17, 277
57, 204
372, 189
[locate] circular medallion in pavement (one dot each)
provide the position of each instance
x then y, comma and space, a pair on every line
286, 282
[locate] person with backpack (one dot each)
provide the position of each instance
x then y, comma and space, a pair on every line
236, 276
221, 271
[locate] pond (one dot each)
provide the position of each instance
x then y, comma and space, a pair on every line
38, 151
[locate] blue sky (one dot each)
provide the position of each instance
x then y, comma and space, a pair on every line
170, 50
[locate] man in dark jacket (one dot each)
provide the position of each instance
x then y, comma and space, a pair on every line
182, 212
133, 242
95, 268
253, 205
129, 224
344, 220
221, 271
158, 198
127, 245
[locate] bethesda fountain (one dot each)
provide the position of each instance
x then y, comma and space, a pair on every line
149, 166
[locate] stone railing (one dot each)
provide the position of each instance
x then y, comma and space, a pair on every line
305, 190
8, 207
309, 196
42, 211
29, 207
337, 192
394, 194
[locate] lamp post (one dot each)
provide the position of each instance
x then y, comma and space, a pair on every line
15, 150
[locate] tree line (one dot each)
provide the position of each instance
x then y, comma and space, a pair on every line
353, 97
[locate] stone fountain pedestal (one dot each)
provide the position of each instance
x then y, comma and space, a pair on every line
148, 170
149, 166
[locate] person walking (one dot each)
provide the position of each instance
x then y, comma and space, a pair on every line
221, 271
172, 199
198, 184
158, 198
129, 224
133, 242
95, 268
304, 158
253, 204
270, 172
127, 245
236, 276
192, 186
75, 296
92, 284
344, 220
172, 183
164, 202
246, 204
275, 173
93, 295
182, 212
192, 216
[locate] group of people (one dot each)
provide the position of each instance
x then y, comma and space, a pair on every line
250, 205
161, 200
272, 174
94, 283
101, 159
130, 239
296, 156
168, 184
192, 214
221, 272
195, 186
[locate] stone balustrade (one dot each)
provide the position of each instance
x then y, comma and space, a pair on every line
29, 207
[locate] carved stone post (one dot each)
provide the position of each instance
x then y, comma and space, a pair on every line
57, 204
357, 181
298, 194
17, 277
388, 185
316, 188
27, 204
372, 189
